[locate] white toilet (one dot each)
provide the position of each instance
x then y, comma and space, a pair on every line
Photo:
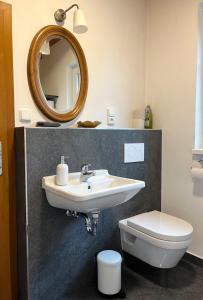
156, 238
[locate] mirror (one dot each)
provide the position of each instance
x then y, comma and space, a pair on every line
57, 73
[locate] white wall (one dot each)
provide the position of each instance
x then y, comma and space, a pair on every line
171, 89
199, 84
114, 47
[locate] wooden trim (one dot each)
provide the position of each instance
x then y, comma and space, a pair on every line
8, 257
33, 73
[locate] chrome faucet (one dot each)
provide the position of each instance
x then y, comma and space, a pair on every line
86, 172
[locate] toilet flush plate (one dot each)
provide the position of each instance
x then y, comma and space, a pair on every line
133, 152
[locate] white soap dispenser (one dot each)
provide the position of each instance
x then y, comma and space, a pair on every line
62, 173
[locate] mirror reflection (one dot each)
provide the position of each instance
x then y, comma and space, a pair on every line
59, 74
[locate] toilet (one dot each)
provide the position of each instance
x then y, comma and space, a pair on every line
156, 238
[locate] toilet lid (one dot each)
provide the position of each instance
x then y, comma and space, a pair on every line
161, 226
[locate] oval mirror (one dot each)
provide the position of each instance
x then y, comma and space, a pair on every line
57, 73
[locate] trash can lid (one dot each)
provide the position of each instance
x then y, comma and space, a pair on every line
109, 257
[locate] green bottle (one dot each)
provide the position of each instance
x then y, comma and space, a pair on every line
148, 121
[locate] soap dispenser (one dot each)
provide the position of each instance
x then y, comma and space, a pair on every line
62, 173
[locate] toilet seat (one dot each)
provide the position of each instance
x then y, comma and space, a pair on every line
152, 240
161, 226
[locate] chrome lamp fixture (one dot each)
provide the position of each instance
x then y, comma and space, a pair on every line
79, 22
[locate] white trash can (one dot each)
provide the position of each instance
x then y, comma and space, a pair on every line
109, 272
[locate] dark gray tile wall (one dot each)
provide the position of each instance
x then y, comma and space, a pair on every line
61, 254
21, 216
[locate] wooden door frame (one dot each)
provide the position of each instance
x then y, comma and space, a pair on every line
8, 257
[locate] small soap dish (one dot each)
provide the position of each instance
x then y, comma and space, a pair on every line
88, 124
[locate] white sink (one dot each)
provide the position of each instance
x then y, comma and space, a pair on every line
99, 192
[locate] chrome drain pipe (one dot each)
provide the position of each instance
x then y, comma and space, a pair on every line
95, 221
91, 222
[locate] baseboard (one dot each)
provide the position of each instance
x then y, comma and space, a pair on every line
197, 260
200, 257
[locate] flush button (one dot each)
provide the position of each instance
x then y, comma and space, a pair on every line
133, 152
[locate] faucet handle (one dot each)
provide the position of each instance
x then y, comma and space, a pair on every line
85, 168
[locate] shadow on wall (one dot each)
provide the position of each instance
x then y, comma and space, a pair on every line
198, 188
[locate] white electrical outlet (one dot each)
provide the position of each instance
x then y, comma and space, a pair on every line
111, 121
25, 115
111, 116
133, 152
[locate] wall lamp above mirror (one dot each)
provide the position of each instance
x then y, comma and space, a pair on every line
79, 22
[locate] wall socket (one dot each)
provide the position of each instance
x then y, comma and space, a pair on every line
111, 116
110, 120
25, 115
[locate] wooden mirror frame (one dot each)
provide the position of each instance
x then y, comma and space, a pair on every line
34, 78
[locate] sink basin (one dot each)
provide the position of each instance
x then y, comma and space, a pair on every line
99, 192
